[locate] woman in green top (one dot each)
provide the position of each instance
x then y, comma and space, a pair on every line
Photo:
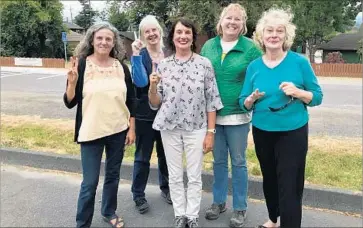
230, 53
278, 87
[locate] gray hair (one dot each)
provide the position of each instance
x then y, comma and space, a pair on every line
150, 20
85, 47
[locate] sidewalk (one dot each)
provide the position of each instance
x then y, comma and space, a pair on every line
38, 198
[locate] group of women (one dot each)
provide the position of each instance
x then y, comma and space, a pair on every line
189, 104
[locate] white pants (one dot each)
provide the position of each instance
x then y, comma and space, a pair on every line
176, 142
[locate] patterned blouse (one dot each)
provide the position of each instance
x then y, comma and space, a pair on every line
188, 91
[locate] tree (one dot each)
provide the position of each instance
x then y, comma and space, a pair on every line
87, 17
316, 20
118, 18
31, 28
163, 10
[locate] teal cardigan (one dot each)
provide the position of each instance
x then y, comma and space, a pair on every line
294, 68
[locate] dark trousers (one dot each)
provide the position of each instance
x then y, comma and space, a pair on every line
91, 155
282, 157
146, 136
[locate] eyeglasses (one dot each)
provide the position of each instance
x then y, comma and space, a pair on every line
282, 107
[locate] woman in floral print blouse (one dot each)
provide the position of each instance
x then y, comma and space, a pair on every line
184, 90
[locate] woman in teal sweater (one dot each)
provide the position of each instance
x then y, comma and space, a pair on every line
230, 53
278, 88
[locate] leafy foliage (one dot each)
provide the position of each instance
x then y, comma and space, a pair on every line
31, 28
87, 17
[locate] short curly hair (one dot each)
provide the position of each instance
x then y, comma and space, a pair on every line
276, 16
233, 6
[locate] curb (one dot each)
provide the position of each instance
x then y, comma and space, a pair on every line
317, 197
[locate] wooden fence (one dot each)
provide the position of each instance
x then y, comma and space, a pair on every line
321, 69
45, 62
338, 70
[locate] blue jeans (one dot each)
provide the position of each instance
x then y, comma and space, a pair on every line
91, 155
232, 138
146, 136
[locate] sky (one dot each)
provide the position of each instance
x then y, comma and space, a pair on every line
358, 19
76, 7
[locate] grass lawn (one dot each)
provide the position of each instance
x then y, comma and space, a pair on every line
331, 161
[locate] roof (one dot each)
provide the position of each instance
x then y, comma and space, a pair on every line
72, 25
343, 42
74, 36
128, 35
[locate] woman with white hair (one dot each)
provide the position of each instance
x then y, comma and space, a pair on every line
147, 50
101, 87
278, 88
230, 53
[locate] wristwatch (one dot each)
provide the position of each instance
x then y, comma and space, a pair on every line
212, 130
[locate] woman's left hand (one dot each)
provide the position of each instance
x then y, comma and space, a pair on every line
290, 89
208, 143
130, 137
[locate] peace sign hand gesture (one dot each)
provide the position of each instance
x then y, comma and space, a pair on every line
72, 74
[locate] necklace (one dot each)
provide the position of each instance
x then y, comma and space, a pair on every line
176, 61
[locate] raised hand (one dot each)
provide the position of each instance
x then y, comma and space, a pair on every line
136, 46
72, 74
154, 77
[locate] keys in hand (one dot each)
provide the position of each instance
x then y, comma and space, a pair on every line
72, 74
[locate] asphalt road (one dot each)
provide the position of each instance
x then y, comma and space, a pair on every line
38, 198
32, 92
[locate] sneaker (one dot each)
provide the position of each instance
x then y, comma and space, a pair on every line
142, 205
215, 210
238, 219
180, 222
192, 222
166, 197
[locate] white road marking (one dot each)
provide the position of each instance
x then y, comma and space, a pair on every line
52, 76
12, 75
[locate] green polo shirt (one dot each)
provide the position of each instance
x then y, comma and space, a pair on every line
230, 74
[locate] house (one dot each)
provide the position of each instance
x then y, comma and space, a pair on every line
74, 36
74, 27
345, 43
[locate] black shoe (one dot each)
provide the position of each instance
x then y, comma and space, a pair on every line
166, 197
142, 205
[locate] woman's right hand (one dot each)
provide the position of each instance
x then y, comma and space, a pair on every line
136, 46
252, 98
72, 74
154, 80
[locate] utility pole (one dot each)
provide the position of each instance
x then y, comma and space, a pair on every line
70, 9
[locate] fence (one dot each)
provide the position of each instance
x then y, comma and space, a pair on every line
338, 70
32, 62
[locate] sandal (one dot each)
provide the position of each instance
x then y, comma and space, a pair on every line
119, 221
